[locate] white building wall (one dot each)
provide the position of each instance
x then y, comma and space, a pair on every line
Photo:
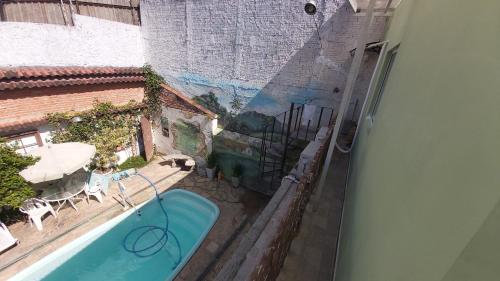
267, 52
166, 145
90, 42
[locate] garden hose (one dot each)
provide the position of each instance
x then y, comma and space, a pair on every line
156, 245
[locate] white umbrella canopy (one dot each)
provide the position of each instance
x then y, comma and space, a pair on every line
57, 160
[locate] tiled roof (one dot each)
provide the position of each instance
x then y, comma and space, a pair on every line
37, 77
173, 98
16, 125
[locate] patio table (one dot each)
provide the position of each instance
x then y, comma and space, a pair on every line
66, 190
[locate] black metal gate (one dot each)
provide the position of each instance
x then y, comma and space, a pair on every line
284, 138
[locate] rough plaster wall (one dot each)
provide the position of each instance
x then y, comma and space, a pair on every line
91, 42
267, 52
165, 145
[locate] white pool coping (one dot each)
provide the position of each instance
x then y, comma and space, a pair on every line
43, 267
46, 265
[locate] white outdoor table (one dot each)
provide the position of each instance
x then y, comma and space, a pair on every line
66, 191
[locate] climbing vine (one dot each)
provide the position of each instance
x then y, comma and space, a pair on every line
106, 126
152, 91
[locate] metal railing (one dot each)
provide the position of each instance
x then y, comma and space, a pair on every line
288, 131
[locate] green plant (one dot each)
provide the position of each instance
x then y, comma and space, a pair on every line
106, 126
133, 162
211, 160
14, 189
236, 104
237, 170
211, 102
152, 90
107, 143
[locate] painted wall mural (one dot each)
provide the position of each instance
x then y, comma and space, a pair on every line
248, 61
233, 148
183, 132
188, 138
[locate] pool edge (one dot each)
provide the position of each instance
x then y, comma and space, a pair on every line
40, 269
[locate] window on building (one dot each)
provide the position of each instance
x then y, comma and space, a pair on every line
384, 76
26, 142
164, 127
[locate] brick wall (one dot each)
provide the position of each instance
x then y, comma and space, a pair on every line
173, 101
29, 105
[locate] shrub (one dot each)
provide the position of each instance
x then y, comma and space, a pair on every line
237, 170
211, 160
152, 90
14, 189
133, 162
106, 126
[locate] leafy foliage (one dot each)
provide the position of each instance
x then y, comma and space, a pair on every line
236, 104
152, 91
211, 102
211, 160
133, 162
13, 188
106, 126
237, 170
108, 142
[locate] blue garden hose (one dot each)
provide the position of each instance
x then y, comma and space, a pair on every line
162, 239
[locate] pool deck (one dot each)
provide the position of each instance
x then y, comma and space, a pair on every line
237, 207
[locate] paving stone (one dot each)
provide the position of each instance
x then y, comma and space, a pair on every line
312, 257
313, 250
94, 214
212, 247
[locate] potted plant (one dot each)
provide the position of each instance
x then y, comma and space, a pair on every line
237, 172
211, 165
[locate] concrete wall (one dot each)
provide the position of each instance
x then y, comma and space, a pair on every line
91, 42
262, 251
423, 196
167, 145
266, 52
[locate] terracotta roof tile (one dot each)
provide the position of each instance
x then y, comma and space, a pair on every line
191, 104
28, 122
35, 77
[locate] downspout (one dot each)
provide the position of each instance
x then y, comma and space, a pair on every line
71, 12
346, 97
61, 5
369, 93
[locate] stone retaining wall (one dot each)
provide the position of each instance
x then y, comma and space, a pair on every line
263, 261
284, 225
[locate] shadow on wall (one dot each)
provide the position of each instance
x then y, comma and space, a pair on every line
310, 76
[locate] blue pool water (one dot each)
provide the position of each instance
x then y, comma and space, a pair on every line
190, 219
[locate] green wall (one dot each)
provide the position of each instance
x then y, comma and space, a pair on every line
423, 197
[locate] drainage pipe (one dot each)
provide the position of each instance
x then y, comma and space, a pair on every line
346, 97
371, 89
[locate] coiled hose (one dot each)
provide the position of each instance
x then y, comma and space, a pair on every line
156, 245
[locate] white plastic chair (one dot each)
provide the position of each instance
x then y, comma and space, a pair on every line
6, 239
35, 209
94, 190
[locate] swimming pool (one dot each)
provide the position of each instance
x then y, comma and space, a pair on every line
100, 254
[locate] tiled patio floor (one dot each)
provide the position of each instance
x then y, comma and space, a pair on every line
312, 253
236, 205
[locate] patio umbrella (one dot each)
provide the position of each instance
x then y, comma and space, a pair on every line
57, 160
